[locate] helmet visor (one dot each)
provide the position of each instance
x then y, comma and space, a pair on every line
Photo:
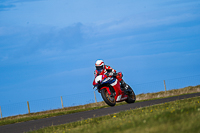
99, 68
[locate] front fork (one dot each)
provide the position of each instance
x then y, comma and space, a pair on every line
107, 89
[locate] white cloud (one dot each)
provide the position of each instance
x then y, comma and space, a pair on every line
140, 22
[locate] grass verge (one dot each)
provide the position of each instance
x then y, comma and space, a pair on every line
177, 116
93, 106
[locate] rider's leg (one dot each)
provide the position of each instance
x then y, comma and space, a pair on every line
123, 84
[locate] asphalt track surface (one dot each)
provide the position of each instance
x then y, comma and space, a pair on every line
41, 123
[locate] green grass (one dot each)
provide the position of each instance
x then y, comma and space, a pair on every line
177, 116
92, 106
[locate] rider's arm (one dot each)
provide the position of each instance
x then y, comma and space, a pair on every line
110, 71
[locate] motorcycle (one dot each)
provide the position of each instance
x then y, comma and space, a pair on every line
111, 90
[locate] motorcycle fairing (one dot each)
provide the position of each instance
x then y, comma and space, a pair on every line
107, 88
120, 95
109, 80
121, 98
114, 83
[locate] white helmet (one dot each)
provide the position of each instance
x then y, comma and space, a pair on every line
99, 65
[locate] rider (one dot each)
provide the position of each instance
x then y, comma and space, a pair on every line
100, 66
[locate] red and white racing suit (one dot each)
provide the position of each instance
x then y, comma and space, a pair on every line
110, 71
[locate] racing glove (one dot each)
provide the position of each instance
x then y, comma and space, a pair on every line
111, 74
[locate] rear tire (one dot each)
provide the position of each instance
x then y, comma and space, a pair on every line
107, 98
131, 96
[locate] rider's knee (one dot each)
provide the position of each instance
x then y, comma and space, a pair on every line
119, 76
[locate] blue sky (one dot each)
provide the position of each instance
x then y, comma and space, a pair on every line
48, 48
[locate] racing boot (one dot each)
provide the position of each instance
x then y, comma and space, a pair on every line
124, 86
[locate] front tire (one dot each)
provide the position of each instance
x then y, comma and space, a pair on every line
110, 100
131, 95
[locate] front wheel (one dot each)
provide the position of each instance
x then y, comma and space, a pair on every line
131, 95
110, 100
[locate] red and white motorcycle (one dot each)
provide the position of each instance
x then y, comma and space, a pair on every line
111, 90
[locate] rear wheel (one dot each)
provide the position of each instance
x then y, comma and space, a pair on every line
131, 95
110, 100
